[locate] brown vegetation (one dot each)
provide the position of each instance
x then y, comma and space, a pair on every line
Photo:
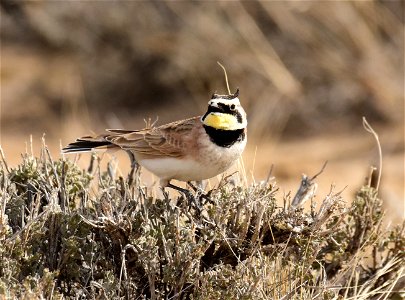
68, 233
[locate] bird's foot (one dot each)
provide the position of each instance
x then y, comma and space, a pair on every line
200, 194
192, 200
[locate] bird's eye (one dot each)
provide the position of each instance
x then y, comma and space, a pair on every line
232, 106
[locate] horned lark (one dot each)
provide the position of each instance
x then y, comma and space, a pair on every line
187, 150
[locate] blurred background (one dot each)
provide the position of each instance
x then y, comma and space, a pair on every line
307, 72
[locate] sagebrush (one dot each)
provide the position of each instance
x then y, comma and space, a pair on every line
71, 233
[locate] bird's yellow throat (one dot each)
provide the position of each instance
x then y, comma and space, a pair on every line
221, 121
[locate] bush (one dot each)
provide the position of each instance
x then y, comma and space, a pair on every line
72, 233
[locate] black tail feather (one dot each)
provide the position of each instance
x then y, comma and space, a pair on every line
84, 145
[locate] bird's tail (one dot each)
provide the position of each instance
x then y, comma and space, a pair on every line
88, 143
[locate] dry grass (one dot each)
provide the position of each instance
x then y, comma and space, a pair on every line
68, 233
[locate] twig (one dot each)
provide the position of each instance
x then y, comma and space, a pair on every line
3, 158
226, 77
123, 269
270, 173
320, 172
370, 129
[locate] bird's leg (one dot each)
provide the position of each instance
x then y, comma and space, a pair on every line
198, 189
135, 170
190, 197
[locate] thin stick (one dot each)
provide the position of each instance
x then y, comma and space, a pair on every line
226, 77
3, 158
31, 146
370, 129
320, 172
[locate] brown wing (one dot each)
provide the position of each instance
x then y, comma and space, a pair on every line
172, 139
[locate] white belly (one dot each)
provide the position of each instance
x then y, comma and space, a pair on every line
179, 169
212, 160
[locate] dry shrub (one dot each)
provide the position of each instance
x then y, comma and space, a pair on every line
68, 233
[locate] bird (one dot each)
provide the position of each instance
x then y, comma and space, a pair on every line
192, 149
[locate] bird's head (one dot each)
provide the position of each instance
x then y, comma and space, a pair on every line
225, 112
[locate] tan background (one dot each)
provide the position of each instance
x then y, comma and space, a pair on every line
307, 71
